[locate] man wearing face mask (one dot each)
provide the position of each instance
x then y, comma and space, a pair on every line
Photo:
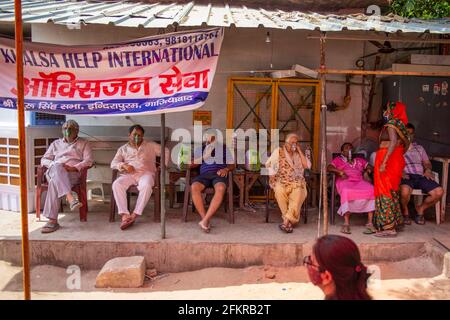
136, 162
286, 168
216, 163
64, 160
418, 175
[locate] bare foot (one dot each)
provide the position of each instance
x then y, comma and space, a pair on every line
204, 226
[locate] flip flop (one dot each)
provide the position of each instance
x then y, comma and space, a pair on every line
420, 219
345, 229
370, 229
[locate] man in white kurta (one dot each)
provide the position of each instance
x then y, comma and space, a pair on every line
64, 159
136, 162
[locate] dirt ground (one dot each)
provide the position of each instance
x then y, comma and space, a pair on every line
409, 279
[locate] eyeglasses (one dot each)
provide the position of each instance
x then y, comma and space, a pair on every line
307, 262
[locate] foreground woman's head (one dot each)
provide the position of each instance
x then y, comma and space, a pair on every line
335, 267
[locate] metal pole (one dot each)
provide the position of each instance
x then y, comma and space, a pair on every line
22, 149
384, 73
163, 176
323, 173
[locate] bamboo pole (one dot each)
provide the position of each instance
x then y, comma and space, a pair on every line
323, 174
22, 148
163, 176
380, 72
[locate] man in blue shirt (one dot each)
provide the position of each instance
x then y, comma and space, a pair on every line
216, 163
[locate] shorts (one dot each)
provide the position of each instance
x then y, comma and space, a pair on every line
417, 181
209, 179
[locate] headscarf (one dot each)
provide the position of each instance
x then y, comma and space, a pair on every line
397, 119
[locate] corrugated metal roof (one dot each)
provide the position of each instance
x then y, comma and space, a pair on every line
161, 15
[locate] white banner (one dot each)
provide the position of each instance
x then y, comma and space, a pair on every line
159, 74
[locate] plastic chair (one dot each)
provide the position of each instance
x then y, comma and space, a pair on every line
229, 195
79, 189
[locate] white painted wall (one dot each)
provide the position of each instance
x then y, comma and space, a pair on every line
243, 49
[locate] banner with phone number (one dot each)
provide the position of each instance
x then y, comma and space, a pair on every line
158, 74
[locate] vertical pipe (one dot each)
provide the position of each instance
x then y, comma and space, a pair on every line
323, 174
163, 176
22, 149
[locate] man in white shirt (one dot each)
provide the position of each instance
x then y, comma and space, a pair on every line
64, 159
136, 161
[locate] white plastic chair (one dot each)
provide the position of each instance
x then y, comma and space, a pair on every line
97, 176
418, 199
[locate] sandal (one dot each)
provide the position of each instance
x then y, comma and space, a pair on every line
75, 204
50, 227
420, 219
285, 228
386, 234
407, 220
370, 229
346, 229
126, 223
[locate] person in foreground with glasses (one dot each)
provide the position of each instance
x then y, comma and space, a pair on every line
335, 267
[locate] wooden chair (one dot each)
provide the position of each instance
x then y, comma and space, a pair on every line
80, 189
134, 190
229, 195
303, 209
418, 196
333, 186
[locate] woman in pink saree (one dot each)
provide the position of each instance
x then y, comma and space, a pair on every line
356, 194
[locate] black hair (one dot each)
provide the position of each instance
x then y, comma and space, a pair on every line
343, 146
410, 126
137, 127
341, 257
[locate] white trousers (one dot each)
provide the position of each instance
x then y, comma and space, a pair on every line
60, 183
144, 184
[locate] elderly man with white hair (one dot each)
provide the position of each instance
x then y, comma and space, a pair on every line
64, 159
286, 167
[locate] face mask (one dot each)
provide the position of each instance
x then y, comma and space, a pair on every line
294, 147
67, 132
314, 276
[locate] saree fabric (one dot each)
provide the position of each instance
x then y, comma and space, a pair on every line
387, 183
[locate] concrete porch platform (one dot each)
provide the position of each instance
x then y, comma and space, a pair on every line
250, 241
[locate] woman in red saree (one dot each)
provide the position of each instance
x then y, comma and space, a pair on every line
389, 164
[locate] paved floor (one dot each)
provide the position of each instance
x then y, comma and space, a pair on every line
249, 227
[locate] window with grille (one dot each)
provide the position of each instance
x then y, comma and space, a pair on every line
9, 161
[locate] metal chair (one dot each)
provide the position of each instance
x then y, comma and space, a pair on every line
134, 190
79, 189
228, 204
